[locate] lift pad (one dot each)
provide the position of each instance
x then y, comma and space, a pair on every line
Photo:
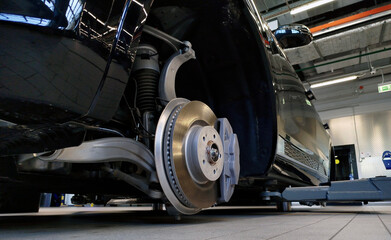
371, 189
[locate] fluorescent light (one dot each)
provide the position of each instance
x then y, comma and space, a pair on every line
339, 80
310, 5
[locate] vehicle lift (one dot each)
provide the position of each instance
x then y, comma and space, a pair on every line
370, 189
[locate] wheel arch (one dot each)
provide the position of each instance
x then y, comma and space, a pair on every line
232, 74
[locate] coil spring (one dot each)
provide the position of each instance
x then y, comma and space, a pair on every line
147, 85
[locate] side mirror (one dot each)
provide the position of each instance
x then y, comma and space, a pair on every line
293, 35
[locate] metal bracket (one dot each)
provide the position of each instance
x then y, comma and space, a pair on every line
183, 53
167, 77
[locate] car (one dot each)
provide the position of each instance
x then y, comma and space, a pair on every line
186, 103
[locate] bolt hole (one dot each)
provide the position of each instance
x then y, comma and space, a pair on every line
203, 161
203, 138
214, 136
214, 171
220, 155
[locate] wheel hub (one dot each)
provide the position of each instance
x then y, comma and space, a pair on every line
203, 160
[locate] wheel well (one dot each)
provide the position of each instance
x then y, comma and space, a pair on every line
231, 73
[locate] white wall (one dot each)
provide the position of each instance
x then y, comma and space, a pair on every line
371, 135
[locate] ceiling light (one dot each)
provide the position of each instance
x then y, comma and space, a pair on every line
310, 5
339, 80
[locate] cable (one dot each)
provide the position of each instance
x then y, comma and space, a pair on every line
139, 122
108, 130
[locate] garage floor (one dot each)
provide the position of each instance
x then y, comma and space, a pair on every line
371, 221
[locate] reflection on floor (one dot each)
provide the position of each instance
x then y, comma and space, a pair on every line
372, 221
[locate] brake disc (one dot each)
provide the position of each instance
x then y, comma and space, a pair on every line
189, 155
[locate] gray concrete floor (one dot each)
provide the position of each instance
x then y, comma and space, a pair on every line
371, 221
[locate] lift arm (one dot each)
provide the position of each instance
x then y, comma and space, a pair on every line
371, 189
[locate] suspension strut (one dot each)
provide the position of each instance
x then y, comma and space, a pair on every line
146, 73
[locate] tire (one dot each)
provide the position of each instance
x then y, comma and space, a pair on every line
284, 206
16, 198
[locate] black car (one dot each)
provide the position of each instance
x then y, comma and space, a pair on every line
108, 99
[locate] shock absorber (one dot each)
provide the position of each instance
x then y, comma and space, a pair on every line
146, 73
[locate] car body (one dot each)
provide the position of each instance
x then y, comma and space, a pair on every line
69, 74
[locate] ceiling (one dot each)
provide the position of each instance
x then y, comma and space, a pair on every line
351, 37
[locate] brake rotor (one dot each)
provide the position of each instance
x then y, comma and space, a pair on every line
189, 155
